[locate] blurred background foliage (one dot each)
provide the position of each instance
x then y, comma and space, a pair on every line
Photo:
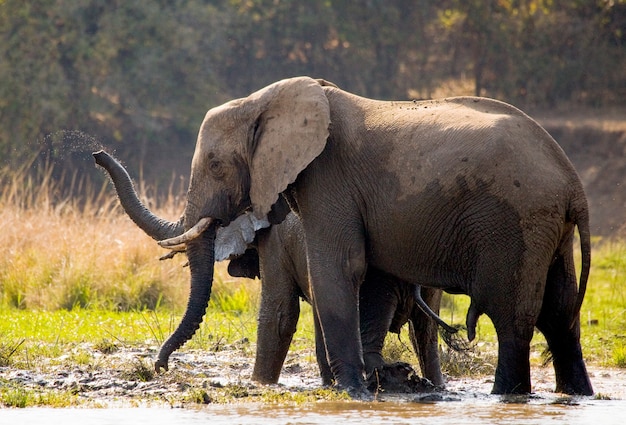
137, 76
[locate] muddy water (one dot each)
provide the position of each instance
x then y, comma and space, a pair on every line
487, 411
467, 401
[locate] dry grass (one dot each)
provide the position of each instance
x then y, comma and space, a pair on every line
63, 252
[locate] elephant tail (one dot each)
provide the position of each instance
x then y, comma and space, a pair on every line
581, 218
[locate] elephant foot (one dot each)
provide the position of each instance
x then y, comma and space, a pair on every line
398, 377
358, 393
577, 382
512, 385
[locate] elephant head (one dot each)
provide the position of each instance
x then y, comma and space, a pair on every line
249, 150
281, 128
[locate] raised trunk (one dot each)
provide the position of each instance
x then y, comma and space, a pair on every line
200, 253
156, 227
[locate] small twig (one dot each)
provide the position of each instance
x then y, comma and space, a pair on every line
377, 384
8, 356
115, 337
151, 328
169, 255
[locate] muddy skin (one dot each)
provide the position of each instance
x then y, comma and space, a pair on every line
398, 377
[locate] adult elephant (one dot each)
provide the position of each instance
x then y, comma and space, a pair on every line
276, 254
466, 194
278, 258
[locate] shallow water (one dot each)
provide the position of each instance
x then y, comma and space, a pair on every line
492, 411
466, 401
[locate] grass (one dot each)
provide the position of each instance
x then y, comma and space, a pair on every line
78, 271
12, 395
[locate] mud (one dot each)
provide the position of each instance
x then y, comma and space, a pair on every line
124, 378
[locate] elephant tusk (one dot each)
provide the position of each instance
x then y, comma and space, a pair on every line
178, 243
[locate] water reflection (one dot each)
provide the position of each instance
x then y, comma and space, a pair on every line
482, 410
467, 401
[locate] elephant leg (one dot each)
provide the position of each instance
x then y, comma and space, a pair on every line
335, 287
424, 337
512, 300
513, 370
340, 325
555, 322
320, 352
339, 320
278, 317
378, 301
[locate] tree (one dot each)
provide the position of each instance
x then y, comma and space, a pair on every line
137, 76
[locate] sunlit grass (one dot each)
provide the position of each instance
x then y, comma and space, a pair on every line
27, 336
65, 260
65, 252
15, 395
603, 314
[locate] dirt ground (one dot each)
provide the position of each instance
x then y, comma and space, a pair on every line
595, 142
124, 378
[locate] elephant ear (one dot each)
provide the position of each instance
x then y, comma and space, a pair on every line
292, 130
233, 240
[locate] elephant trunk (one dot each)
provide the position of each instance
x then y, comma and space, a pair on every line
155, 227
200, 253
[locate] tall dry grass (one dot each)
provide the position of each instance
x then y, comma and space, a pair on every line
63, 251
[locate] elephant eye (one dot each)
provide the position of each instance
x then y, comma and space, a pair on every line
215, 167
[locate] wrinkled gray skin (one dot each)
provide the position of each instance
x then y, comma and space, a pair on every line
386, 304
466, 194
251, 244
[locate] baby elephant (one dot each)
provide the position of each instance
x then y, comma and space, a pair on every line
385, 303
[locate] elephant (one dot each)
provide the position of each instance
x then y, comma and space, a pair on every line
254, 245
466, 194
278, 258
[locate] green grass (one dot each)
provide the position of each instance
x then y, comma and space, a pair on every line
603, 314
12, 395
28, 335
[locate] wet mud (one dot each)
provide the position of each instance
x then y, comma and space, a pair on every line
196, 377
